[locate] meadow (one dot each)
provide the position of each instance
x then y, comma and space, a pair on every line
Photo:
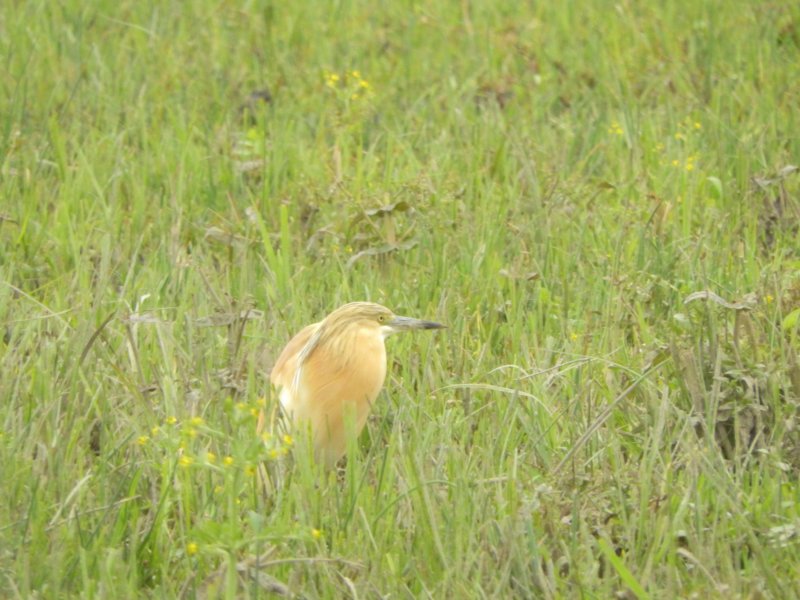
599, 199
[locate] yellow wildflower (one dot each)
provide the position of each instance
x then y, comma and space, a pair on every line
191, 548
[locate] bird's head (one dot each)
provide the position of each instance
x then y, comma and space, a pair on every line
374, 316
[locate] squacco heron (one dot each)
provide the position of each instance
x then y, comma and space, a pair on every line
330, 373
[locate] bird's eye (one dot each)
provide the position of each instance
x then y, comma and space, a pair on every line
381, 318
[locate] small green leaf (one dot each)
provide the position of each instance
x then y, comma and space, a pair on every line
716, 185
790, 320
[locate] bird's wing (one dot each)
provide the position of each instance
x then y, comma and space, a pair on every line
284, 369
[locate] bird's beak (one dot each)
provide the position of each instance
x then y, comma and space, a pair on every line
409, 324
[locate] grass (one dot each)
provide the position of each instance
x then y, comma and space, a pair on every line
554, 182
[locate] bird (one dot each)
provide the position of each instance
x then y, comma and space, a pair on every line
330, 373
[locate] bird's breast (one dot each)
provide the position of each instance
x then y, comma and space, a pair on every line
365, 369
343, 375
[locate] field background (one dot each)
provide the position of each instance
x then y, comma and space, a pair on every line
597, 198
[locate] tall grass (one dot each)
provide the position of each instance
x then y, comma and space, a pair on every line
556, 182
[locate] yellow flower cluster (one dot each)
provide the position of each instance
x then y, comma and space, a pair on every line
200, 447
688, 164
686, 129
616, 129
349, 84
332, 80
244, 408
